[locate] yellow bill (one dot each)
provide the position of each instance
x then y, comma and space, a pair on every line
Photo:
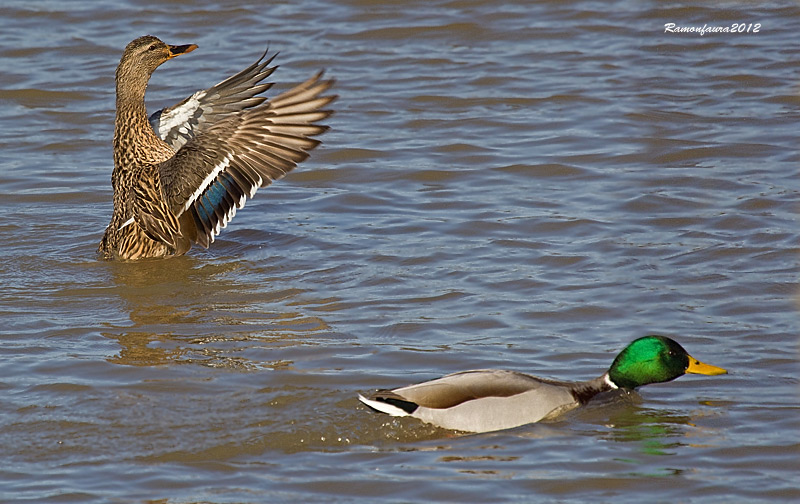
697, 367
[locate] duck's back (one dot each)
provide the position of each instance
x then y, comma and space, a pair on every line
488, 399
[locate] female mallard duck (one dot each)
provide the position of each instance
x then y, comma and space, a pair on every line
489, 399
180, 176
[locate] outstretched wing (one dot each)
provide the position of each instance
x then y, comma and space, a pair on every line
180, 123
214, 173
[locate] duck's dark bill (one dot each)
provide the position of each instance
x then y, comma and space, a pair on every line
181, 49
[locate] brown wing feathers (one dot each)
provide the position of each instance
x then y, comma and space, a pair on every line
213, 174
178, 124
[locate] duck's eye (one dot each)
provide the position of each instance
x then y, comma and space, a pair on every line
152, 47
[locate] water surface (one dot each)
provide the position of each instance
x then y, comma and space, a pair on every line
526, 186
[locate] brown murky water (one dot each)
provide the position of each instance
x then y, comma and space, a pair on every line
525, 185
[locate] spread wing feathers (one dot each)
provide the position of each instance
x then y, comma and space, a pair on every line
178, 124
214, 174
302, 98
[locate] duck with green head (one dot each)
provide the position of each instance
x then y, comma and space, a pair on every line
489, 399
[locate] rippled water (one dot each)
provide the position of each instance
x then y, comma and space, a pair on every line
518, 185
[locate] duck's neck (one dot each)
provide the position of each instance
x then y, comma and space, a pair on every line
131, 84
131, 127
135, 142
583, 392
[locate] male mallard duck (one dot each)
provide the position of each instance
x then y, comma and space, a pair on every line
179, 177
490, 399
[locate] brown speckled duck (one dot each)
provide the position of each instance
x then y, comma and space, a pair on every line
180, 175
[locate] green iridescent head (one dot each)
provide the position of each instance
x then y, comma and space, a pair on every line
655, 359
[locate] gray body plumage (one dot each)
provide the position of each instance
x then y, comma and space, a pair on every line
486, 399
